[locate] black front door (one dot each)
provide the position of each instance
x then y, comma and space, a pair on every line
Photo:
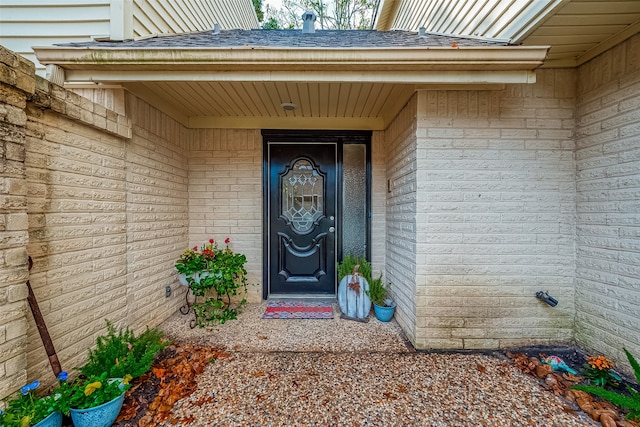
302, 209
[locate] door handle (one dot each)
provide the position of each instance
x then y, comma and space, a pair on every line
332, 229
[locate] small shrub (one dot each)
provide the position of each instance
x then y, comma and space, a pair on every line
349, 262
120, 353
377, 292
631, 402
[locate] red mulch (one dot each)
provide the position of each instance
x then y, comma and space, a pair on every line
150, 399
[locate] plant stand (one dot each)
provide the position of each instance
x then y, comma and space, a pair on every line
186, 308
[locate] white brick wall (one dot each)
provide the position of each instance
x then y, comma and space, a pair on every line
16, 84
495, 214
608, 205
156, 212
107, 219
402, 227
77, 223
225, 195
378, 202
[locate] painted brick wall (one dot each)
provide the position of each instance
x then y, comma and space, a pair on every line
75, 159
378, 202
608, 208
225, 195
16, 85
157, 208
402, 227
495, 215
107, 212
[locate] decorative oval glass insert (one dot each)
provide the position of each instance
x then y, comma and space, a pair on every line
302, 196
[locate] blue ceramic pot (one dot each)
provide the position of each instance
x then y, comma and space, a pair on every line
53, 420
383, 314
99, 416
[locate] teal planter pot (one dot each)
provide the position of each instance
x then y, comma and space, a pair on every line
384, 314
53, 420
99, 416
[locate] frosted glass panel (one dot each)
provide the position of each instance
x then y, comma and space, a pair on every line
354, 225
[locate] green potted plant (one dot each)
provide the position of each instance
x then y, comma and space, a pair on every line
212, 270
26, 409
94, 401
383, 306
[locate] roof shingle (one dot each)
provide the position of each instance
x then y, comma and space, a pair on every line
294, 39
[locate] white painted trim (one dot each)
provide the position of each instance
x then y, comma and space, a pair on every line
121, 24
405, 77
364, 123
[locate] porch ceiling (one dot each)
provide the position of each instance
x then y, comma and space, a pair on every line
244, 86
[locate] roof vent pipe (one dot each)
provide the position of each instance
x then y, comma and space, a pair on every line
422, 32
308, 22
216, 28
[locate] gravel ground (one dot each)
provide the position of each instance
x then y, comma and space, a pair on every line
345, 373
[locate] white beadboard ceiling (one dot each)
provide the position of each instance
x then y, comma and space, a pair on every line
576, 30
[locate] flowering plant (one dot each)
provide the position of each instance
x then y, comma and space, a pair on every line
598, 370
27, 409
90, 392
219, 270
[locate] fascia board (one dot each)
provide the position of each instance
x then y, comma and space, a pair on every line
529, 57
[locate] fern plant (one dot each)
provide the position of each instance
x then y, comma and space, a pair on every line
631, 402
120, 353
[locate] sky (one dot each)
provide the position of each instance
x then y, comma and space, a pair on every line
273, 3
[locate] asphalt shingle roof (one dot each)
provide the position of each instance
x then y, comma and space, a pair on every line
294, 39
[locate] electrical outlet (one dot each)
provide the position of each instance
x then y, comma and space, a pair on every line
167, 291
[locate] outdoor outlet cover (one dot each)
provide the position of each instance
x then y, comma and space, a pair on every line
167, 291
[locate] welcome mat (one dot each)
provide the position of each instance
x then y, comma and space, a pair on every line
298, 310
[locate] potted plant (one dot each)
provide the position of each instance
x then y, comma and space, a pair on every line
94, 401
383, 306
218, 271
26, 409
189, 266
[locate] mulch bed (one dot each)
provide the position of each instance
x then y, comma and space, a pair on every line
528, 360
172, 377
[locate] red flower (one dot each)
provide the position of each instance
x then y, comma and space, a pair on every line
211, 241
195, 248
226, 241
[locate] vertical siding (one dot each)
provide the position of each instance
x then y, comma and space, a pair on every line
170, 16
608, 185
27, 23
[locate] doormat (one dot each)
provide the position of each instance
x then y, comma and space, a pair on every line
298, 310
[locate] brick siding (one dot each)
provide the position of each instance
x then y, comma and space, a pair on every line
225, 195
494, 215
608, 205
16, 85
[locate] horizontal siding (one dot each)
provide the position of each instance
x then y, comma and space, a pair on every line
27, 23
170, 16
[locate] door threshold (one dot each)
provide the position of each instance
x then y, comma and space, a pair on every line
327, 297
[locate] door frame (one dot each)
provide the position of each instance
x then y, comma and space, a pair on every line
340, 138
